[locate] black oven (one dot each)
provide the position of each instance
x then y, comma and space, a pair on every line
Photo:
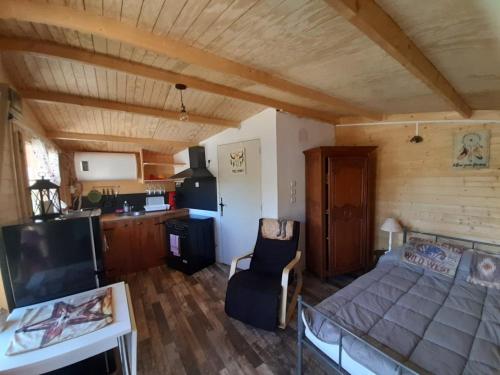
190, 243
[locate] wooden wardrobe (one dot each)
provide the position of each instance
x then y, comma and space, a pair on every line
339, 207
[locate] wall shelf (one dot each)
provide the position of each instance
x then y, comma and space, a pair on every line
164, 164
159, 180
156, 167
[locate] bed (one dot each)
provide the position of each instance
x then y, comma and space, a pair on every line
402, 319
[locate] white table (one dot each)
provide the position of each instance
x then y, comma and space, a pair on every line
122, 333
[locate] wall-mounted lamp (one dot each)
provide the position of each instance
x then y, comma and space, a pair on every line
416, 138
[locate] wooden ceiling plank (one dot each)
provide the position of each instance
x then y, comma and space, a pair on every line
70, 136
87, 57
112, 9
368, 17
55, 97
66, 17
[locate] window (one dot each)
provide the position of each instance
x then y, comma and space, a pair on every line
42, 161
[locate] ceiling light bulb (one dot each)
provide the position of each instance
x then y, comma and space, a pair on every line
183, 115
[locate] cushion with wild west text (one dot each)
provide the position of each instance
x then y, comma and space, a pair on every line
442, 258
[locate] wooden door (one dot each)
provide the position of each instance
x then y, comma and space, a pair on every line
118, 249
241, 199
347, 210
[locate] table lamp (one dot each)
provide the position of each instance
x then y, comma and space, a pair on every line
391, 225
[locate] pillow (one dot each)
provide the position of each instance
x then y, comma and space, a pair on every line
485, 270
274, 229
442, 258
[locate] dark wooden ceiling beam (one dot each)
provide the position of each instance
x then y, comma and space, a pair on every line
57, 97
87, 137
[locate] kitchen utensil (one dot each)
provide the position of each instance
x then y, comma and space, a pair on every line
94, 196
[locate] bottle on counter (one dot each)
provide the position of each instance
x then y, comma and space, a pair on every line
126, 207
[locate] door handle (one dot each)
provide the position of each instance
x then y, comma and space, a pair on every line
221, 204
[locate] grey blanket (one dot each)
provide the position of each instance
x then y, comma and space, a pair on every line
432, 323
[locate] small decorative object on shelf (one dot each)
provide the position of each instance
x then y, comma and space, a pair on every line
45, 200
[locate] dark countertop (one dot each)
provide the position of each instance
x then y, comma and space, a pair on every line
110, 218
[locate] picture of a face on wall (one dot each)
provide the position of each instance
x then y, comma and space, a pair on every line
237, 161
471, 149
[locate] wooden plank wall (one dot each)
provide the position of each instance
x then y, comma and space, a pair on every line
416, 183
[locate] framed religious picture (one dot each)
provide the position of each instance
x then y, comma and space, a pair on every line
471, 149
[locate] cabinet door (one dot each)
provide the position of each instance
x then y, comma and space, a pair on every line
117, 249
348, 210
148, 244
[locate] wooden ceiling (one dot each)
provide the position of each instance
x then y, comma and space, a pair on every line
324, 59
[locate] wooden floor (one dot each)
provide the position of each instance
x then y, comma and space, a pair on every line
183, 329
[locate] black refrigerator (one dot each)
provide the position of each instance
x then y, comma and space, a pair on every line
46, 260
51, 259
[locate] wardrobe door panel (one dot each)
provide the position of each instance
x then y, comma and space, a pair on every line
348, 178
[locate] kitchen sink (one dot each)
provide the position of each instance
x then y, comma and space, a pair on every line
133, 213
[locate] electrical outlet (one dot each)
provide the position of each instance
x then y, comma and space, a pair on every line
196, 184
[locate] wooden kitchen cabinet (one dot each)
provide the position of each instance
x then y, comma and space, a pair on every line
117, 242
147, 243
133, 245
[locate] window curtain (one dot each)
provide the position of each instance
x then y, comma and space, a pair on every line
68, 177
19, 171
42, 161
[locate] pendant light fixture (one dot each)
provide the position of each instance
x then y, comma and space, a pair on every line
183, 115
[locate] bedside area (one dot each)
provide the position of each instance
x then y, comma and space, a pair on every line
135, 243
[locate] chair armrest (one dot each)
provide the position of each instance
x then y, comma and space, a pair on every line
285, 310
235, 261
290, 266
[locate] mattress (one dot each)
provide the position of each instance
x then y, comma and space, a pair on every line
430, 322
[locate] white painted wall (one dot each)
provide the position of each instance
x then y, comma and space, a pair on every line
294, 135
283, 139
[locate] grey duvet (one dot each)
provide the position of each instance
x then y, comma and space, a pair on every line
432, 323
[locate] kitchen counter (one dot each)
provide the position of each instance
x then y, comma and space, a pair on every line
135, 243
111, 218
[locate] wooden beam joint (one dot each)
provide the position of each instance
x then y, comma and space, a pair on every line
369, 18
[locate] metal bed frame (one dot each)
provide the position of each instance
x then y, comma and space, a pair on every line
304, 342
